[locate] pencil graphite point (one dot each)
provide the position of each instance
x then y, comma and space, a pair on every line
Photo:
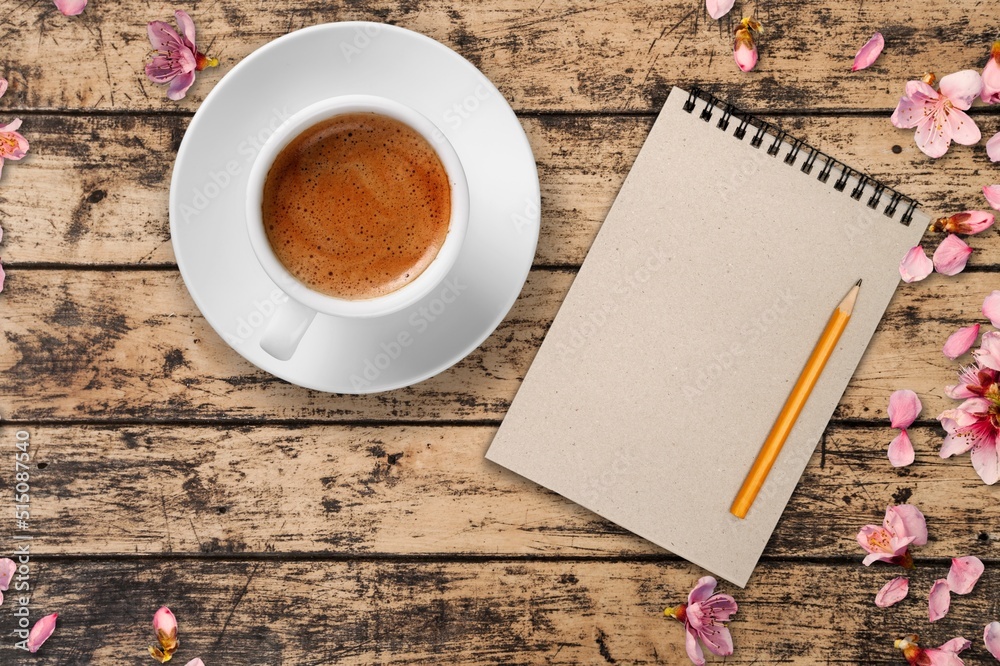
858, 283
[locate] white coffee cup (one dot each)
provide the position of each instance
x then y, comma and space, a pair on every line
291, 321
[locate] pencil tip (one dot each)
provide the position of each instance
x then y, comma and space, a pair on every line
858, 283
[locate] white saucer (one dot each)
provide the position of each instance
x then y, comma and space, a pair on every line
209, 181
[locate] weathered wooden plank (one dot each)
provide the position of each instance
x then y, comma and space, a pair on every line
429, 491
272, 612
562, 54
101, 198
131, 345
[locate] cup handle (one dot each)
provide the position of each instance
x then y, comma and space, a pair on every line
283, 333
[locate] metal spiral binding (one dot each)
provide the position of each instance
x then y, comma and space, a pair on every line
765, 129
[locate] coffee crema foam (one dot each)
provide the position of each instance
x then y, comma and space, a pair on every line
357, 206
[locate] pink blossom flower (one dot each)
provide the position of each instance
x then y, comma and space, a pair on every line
704, 616
904, 408
938, 601
992, 194
13, 146
961, 341
988, 354
177, 58
165, 626
70, 7
991, 637
991, 76
869, 52
7, 569
745, 44
973, 381
892, 592
970, 222
945, 655
902, 527
718, 8
41, 632
939, 115
951, 256
915, 265
993, 148
964, 574
973, 425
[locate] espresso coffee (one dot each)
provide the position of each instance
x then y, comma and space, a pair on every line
357, 206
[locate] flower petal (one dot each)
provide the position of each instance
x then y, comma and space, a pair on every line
992, 194
955, 645
3, 86
951, 255
70, 7
904, 408
163, 37
195, 662
986, 462
906, 520
718, 640
967, 222
993, 148
694, 652
179, 86
869, 52
988, 354
938, 601
7, 569
703, 589
892, 592
962, 87
962, 128
933, 135
41, 632
991, 308
915, 266
3, 275
991, 636
964, 573
745, 56
186, 25
901, 450
961, 340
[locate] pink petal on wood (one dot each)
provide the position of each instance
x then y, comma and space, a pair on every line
939, 600
964, 573
915, 265
904, 408
70, 7
962, 87
991, 308
195, 662
7, 569
993, 148
992, 194
986, 462
718, 8
961, 340
41, 632
3, 86
991, 637
963, 129
951, 256
892, 592
988, 353
869, 52
901, 450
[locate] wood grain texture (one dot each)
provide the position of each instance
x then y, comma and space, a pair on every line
557, 55
103, 200
428, 491
131, 345
493, 612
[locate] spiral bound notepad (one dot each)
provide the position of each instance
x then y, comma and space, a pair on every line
698, 304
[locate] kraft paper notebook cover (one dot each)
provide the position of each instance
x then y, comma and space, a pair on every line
703, 295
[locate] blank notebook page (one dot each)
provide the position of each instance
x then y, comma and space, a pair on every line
703, 295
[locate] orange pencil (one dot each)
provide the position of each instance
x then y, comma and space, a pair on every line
794, 404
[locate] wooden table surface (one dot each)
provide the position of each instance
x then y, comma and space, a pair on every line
287, 526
